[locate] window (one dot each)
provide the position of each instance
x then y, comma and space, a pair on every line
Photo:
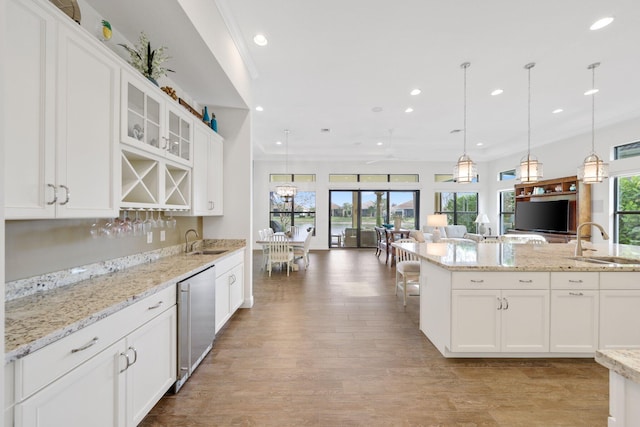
507, 175
627, 150
507, 210
627, 210
448, 177
285, 177
460, 208
300, 211
374, 177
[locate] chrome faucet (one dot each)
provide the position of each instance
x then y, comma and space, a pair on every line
186, 240
579, 249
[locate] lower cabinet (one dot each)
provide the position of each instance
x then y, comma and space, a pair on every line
115, 386
619, 313
574, 321
229, 287
500, 321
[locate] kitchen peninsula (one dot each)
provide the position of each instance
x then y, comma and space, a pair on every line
524, 300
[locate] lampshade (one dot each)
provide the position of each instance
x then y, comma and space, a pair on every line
465, 169
287, 190
482, 219
593, 169
530, 169
437, 220
437, 249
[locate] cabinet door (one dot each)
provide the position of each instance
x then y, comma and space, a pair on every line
29, 161
88, 161
223, 309
216, 173
152, 350
574, 321
90, 395
141, 117
619, 319
236, 288
525, 321
201, 165
475, 321
179, 136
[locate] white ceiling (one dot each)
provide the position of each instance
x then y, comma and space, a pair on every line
329, 63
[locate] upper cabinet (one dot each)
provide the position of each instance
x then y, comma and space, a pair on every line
153, 122
207, 172
61, 156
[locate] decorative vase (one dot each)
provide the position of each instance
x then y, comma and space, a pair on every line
152, 80
214, 123
205, 115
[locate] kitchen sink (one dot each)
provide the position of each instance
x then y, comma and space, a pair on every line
210, 252
608, 260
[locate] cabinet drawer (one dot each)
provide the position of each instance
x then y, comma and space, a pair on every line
40, 368
500, 280
573, 280
621, 280
227, 263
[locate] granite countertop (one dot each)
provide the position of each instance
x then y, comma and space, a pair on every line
36, 320
464, 256
622, 362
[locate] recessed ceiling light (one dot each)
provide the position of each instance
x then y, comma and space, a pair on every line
480, 144
260, 40
415, 92
259, 108
591, 91
557, 110
379, 143
325, 130
278, 142
601, 23
497, 92
409, 110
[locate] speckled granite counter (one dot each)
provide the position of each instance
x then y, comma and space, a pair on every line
623, 362
36, 320
463, 256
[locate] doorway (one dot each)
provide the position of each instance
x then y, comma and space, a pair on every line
353, 214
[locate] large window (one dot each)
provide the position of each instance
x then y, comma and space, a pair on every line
300, 211
627, 150
507, 210
460, 208
627, 211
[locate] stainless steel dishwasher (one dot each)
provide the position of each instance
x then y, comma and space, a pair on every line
196, 321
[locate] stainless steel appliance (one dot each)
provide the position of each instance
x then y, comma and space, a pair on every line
196, 321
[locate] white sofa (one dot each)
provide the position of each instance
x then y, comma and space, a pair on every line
448, 233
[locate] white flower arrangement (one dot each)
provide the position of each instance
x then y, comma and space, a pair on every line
148, 62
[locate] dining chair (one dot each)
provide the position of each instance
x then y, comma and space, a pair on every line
407, 266
265, 249
303, 251
280, 252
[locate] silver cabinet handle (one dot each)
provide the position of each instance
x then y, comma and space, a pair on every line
86, 346
500, 301
135, 355
575, 281
576, 294
525, 281
166, 143
477, 281
55, 194
67, 194
126, 356
210, 205
153, 307
232, 279
506, 304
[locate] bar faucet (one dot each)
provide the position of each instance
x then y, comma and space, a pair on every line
186, 240
579, 249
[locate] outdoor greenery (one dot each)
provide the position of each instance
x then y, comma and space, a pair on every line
460, 208
301, 211
628, 210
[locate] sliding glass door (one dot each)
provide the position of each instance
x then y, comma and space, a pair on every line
353, 215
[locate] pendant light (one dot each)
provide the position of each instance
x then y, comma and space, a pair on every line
465, 170
593, 170
530, 169
288, 190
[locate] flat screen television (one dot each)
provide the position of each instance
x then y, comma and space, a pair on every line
549, 216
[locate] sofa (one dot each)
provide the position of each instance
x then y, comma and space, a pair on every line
447, 233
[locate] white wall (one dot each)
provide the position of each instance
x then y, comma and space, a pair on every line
560, 159
2, 106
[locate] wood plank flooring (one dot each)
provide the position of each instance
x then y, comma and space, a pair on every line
333, 346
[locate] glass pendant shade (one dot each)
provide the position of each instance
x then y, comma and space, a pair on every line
286, 191
593, 170
529, 170
465, 170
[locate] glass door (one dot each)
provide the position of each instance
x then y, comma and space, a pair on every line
343, 223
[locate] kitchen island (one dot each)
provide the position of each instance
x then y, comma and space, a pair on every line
624, 385
524, 300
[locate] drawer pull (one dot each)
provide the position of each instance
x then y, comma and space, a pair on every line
500, 301
67, 194
86, 346
232, 279
506, 303
135, 356
55, 194
575, 281
153, 307
477, 281
525, 281
576, 294
126, 356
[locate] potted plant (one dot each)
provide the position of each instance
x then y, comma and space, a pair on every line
146, 60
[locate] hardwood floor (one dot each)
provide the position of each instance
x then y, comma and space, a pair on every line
333, 346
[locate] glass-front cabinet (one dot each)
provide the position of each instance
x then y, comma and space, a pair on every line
180, 135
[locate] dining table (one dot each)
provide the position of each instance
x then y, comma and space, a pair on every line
296, 238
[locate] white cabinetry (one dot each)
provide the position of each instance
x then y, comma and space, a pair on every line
619, 313
61, 151
229, 287
574, 312
108, 374
207, 172
500, 312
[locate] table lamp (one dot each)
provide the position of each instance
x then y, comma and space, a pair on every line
435, 221
481, 219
